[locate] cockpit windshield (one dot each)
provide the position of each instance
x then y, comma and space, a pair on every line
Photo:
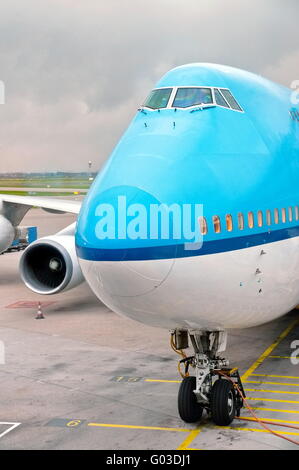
186, 97
158, 98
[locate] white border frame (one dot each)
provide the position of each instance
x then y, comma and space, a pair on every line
11, 428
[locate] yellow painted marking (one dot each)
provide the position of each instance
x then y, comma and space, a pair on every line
272, 419
269, 391
257, 430
271, 399
74, 423
269, 350
281, 357
185, 444
191, 448
278, 376
270, 383
118, 379
163, 381
244, 381
126, 426
275, 409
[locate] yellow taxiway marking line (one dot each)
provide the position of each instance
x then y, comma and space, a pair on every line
183, 446
128, 426
256, 430
281, 357
244, 381
269, 350
186, 443
269, 391
191, 448
271, 419
278, 376
275, 409
271, 399
270, 383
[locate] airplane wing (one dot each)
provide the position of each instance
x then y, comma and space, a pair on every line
15, 207
12, 211
63, 205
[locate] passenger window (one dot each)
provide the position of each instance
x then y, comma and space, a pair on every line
283, 216
296, 212
240, 221
216, 222
229, 222
268, 217
203, 225
230, 99
250, 220
219, 99
276, 216
260, 218
290, 214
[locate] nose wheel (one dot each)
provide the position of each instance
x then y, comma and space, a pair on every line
223, 402
190, 410
214, 386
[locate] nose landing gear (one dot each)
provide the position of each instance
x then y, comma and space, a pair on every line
214, 386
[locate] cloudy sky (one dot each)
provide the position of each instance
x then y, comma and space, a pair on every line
75, 71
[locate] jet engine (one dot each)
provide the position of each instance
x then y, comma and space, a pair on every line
7, 233
50, 265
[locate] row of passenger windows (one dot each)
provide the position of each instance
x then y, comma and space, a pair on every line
251, 219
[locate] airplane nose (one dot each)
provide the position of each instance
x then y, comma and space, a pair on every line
126, 279
117, 253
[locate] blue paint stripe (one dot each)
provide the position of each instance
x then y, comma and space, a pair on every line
179, 251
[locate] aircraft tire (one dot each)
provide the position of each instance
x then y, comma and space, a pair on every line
189, 410
223, 402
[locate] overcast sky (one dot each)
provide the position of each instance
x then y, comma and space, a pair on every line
76, 71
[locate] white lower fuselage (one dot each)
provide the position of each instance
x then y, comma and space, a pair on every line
233, 289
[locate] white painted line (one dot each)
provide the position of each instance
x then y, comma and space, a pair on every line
11, 428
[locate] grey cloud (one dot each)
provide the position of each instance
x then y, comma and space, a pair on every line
76, 71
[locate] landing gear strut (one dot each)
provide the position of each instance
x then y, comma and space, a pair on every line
214, 386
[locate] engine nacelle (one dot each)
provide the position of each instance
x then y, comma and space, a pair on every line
50, 265
7, 233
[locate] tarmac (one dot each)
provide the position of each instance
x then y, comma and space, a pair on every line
86, 378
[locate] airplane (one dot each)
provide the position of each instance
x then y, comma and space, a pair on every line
213, 145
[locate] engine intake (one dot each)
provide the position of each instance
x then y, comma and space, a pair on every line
50, 265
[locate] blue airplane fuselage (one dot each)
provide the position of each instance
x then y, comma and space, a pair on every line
231, 162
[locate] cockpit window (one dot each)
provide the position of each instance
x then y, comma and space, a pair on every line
219, 99
186, 97
158, 98
230, 99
